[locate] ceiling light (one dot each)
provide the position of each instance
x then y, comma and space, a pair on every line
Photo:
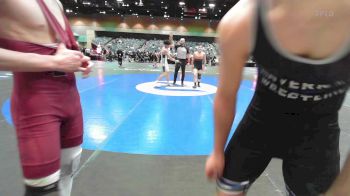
140, 3
211, 5
181, 3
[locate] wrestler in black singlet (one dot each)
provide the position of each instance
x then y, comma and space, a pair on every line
293, 116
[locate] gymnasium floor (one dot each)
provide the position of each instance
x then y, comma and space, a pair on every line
145, 140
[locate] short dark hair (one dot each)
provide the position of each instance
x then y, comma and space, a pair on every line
167, 42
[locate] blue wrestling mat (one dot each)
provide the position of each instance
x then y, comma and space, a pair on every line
129, 113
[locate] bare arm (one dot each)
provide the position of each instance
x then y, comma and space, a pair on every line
192, 61
17, 61
170, 57
205, 59
233, 29
341, 186
64, 60
234, 39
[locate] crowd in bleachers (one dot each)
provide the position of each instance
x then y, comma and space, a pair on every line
140, 50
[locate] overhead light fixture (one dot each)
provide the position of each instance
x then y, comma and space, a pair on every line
181, 3
119, 0
211, 5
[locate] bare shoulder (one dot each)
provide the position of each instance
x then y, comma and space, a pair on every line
236, 27
59, 4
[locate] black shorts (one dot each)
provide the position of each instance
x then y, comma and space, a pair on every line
182, 62
308, 146
198, 64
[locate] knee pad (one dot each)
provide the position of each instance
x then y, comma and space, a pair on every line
199, 76
231, 187
44, 181
48, 190
70, 160
195, 71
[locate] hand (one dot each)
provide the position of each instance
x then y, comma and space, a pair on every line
88, 69
66, 60
214, 166
177, 61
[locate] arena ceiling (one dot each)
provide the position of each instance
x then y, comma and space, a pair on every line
196, 9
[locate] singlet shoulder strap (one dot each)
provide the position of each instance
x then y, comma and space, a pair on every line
66, 35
